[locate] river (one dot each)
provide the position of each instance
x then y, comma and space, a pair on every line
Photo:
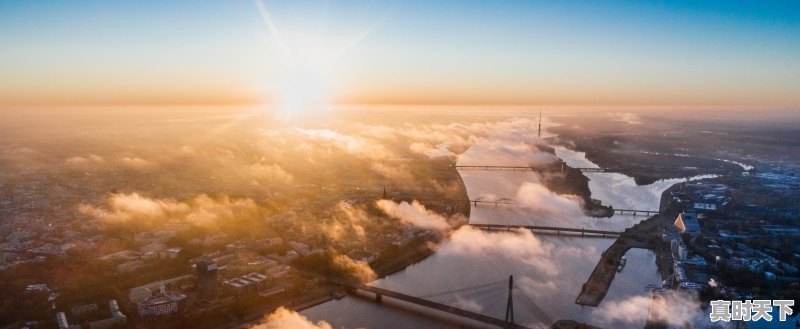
549, 269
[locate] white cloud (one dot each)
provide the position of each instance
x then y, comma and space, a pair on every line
540, 199
89, 159
676, 308
136, 163
271, 173
202, 210
626, 117
285, 319
415, 214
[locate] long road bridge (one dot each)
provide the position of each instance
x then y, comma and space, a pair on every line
686, 171
508, 202
526, 168
507, 323
558, 230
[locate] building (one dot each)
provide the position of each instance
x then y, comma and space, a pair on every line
679, 250
163, 305
61, 319
688, 223
117, 319
246, 285
130, 266
207, 279
140, 293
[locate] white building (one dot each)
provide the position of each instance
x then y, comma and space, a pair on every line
247, 285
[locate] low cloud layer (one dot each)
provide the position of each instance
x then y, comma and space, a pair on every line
519, 245
283, 318
347, 222
136, 163
676, 308
202, 210
625, 117
538, 198
271, 173
85, 160
415, 214
359, 270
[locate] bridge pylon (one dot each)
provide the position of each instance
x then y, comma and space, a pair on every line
510, 305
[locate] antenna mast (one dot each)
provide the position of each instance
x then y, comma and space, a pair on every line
540, 123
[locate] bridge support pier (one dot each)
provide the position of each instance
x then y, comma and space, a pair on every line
378, 298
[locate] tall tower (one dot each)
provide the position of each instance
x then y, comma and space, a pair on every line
540, 123
207, 279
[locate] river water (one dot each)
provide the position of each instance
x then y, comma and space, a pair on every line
548, 269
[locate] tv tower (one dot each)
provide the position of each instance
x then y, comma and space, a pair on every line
540, 123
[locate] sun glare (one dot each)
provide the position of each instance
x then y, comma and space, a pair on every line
310, 50
303, 90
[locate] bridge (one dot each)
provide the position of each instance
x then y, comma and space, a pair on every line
509, 202
491, 167
495, 202
636, 212
458, 294
673, 170
526, 168
558, 230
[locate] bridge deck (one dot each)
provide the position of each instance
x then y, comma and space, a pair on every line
583, 231
492, 167
515, 203
430, 304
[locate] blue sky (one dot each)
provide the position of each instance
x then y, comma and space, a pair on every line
736, 53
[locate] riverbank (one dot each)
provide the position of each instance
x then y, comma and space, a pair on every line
418, 249
646, 235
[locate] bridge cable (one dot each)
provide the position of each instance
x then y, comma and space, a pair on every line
538, 313
449, 292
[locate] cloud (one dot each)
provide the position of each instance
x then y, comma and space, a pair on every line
89, 159
395, 171
359, 146
440, 150
539, 198
127, 207
202, 210
626, 117
516, 245
283, 318
272, 173
415, 214
676, 308
360, 270
506, 152
208, 211
136, 163
346, 222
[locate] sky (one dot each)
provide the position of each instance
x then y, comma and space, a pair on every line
307, 53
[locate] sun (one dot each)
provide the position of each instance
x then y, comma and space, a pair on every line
303, 89
309, 58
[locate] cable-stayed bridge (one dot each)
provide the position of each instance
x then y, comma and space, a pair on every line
503, 293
